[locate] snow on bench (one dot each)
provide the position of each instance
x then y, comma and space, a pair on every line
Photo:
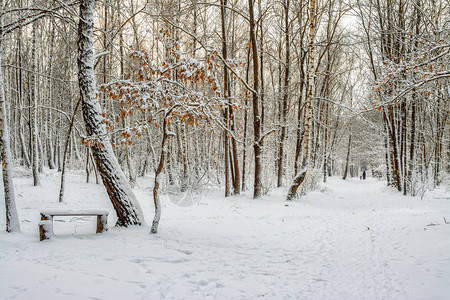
46, 223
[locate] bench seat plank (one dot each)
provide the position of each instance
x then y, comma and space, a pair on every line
71, 212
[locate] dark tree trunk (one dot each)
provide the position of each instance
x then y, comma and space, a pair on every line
257, 145
244, 151
284, 106
125, 203
349, 146
301, 174
158, 171
34, 131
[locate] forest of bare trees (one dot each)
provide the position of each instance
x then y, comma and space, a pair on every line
232, 94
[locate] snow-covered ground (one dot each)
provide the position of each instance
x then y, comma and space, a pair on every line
351, 240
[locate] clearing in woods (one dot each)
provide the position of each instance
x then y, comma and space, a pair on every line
353, 239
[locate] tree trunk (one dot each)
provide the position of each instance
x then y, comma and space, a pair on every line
158, 171
125, 203
12, 219
300, 176
325, 152
403, 152
226, 95
284, 106
411, 175
183, 152
35, 158
20, 88
244, 150
66, 148
49, 145
257, 145
349, 147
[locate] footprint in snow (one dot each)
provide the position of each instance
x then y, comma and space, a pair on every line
203, 282
177, 261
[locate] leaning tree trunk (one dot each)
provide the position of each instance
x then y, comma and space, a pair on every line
12, 219
125, 203
301, 175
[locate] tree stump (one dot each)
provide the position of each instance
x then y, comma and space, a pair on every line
45, 229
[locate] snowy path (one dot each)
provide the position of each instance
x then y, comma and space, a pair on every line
353, 240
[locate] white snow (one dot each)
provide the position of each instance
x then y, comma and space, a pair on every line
74, 211
353, 239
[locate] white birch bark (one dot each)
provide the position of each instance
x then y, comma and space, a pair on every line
12, 219
19, 86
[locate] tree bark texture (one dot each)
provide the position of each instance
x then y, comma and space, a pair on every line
284, 106
300, 176
12, 219
34, 130
119, 191
349, 147
156, 200
257, 145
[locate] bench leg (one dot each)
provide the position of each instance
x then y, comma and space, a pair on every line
45, 217
45, 230
102, 221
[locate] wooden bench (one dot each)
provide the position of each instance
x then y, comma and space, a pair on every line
46, 223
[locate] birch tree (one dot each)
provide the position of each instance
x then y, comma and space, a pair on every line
12, 219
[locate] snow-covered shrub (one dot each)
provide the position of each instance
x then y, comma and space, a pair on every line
313, 178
